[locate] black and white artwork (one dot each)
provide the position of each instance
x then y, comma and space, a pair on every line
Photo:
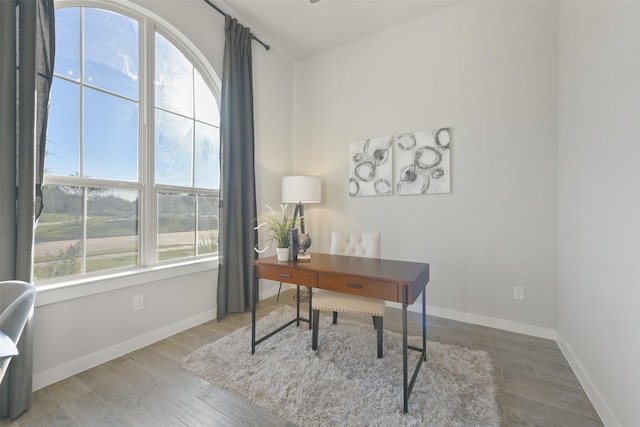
423, 162
371, 167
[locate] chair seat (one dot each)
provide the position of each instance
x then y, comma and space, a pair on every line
352, 244
346, 303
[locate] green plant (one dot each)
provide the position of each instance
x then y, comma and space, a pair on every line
66, 262
209, 243
276, 228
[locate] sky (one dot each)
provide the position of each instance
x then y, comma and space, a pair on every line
94, 123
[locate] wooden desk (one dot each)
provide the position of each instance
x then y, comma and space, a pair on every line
389, 280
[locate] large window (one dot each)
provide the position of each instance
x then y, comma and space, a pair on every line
132, 162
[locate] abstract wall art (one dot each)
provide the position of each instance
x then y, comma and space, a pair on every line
423, 162
410, 163
371, 168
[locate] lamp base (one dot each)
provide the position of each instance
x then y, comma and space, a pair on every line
304, 257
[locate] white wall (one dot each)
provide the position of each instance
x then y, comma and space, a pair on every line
599, 202
85, 325
489, 71
75, 333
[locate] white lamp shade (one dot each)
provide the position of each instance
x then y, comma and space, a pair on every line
301, 189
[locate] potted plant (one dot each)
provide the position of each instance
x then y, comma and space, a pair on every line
276, 229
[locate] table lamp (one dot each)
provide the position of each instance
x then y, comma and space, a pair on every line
299, 190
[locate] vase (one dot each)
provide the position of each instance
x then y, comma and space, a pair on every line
283, 254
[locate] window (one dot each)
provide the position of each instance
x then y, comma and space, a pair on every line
132, 162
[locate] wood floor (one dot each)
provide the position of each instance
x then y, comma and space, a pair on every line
148, 387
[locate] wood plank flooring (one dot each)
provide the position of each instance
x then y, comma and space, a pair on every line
536, 386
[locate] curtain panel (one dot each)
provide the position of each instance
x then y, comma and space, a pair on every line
236, 273
27, 49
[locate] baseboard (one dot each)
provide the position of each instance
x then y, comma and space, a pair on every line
491, 322
69, 369
53, 375
476, 319
74, 367
600, 405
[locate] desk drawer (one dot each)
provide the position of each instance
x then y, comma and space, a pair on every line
359, 286
287, 274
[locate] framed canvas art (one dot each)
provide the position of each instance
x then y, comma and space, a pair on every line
371, 168
423, 162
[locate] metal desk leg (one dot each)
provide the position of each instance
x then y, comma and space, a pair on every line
424, 323
408, 385
254, 301
310, 292
254, 291
297, 305
405, 349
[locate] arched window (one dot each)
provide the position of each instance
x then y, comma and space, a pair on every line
132, 162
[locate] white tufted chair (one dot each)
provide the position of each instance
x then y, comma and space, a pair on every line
352, 244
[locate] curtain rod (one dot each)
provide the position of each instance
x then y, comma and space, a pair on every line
266, 46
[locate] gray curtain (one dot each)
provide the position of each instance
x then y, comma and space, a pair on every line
26, 69
236, 274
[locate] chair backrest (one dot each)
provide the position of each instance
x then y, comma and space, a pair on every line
17, 299
355, 244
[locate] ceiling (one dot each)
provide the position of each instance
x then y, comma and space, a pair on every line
301, 29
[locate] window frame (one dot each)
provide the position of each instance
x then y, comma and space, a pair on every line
148, 25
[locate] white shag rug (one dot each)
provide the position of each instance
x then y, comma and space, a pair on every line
343, 383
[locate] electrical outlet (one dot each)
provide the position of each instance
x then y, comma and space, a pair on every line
518, 293
138, 302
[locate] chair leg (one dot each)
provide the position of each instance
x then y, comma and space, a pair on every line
378, 323
314, 333
335, 317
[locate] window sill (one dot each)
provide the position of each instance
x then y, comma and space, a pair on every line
58, 292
